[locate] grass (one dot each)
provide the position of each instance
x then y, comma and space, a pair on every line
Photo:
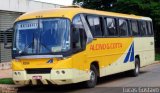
157, 57
6, 81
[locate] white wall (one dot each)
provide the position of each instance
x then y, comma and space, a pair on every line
24, 5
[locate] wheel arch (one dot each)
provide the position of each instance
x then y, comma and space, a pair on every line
137, 56
96, 64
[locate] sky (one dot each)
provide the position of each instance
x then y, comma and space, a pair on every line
61, 2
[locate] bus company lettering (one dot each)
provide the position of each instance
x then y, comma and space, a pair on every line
105, 46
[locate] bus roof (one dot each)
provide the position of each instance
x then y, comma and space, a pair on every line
71, 12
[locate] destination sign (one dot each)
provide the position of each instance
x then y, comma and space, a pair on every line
26, 26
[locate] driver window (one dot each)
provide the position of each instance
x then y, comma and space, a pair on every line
78, 31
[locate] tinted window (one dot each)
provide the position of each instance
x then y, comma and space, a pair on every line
149, 25
94, 23
143, 28
77, 29
134, 28
31, 38
123, 27
111, 27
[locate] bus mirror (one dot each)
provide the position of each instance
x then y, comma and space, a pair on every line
6, 45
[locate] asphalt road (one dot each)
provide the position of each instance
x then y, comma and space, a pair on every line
118, 83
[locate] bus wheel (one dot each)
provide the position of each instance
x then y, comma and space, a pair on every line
93, 78
136, 70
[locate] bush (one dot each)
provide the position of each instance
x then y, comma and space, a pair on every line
6, 81
157, 57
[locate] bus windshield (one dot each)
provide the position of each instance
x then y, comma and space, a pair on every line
41, 36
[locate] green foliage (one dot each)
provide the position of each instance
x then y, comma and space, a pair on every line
95, 4
157, 57
6, 81
150, 8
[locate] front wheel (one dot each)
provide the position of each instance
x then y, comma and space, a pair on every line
136, 70
93, 78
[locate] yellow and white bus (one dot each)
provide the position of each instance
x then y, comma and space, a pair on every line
72, 44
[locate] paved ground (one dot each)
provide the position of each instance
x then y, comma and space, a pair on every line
149, 77
6, 73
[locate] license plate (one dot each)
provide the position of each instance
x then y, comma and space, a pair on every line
36, 77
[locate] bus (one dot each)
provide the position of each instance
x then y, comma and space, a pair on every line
72, 44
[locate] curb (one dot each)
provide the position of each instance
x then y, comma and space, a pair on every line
10, 86
157, 61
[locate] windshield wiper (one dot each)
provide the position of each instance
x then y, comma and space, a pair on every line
27, 46
46, 47
24, 50
32, 43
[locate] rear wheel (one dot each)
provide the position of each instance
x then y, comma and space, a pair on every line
93, 78
136, 70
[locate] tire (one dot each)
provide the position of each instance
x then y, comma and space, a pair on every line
136, 70
93, 78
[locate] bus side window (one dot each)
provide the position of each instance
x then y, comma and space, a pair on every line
94, 23
111, 27
78, 34
134, 28
150, 32
143, 28
152, 28
123, 27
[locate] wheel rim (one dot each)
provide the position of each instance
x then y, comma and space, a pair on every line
92, 76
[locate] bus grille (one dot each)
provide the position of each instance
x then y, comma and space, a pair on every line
39, 71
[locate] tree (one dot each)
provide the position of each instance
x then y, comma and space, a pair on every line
95, 4
150, 8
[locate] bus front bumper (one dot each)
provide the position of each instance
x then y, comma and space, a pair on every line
56, 77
